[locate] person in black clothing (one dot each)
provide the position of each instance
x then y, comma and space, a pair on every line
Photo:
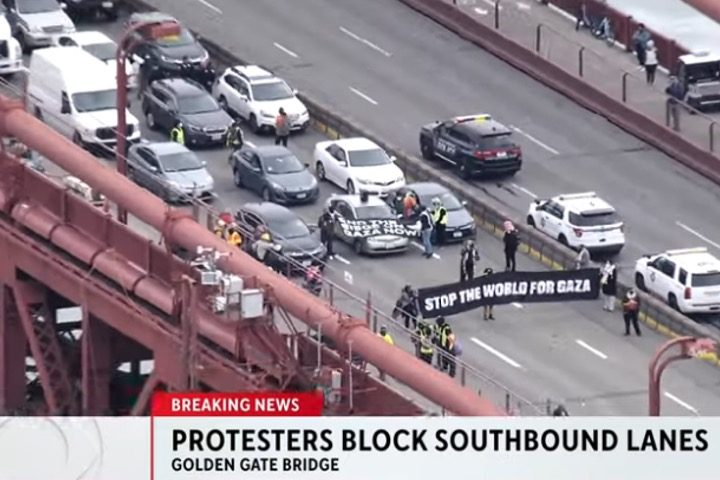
326, 223
468, 256
407, 307
510, 239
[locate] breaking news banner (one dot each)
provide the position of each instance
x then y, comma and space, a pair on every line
375, 228
508, 287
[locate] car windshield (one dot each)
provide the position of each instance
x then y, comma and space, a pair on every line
289, 228
706, 279
282, 164
375, 212
180, 162
94, 101
497, 141
448, 200
37, 6
594, 219
182, 39
197, 104
103, 51
265, 92
703, 71
368, 158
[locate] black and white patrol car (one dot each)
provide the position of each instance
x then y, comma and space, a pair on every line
474, 144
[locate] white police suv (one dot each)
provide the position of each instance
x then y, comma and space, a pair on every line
579, 219
688, 279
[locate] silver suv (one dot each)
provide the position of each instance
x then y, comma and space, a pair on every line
35, 23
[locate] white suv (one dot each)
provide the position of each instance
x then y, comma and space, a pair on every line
688, 280
579, 219
257, 95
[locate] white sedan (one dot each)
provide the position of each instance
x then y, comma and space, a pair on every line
357, 165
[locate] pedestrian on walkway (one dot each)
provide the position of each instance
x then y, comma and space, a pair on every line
326, 223
488, 309
639, 41
426, 229
582, 19
511, 241
282, 128
468, 257
608, 283
676, 94
582, 259
631, 311
651, 62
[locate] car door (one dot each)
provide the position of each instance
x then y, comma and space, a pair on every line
250, 222
551, 215
253, 171
342, 209
239, 100
445, 144
63, 123
144, 173
666, 281
658, 280
337, 168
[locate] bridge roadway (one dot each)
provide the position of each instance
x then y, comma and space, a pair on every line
571, 352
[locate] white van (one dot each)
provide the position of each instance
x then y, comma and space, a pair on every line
100, 46
10, 50
75, 93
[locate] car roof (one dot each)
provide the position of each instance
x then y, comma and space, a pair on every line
355, 202
89, 37
694, 260
165, 148
271, 150
139, 17
584, 203
182, 86
87, 73
254, 73
481, 124
699, 57
269, 210
427, 188
356, 143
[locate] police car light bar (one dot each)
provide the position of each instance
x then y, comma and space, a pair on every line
686, 251
480, 117
577, 196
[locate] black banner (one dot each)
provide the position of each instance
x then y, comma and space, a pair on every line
509, 287
375, 228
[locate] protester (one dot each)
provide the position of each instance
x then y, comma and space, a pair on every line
582, 259
608, 282
177, 134
220, 228
639, 40
582, 18
409, 204
385, 335
676, 94
651, 62
235, 138
326, 223
440, 219
234, 239
631, 311
407, 307
447, 344
468, 257
511, 241
439, 332
426, 229
423, 342
282, 128
488, 309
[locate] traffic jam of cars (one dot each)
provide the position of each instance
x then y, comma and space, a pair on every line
71, 86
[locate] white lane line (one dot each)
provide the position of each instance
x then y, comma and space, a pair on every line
210, 6
497, 353
517, 305
343, 259
591, 349
362, 95
524, 190
523, 6
683, 404
286, 50
365, 42
481, 11
420, 247
250, 144
492, 3
697, 234
536, 141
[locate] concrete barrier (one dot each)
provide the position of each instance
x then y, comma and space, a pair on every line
654, 313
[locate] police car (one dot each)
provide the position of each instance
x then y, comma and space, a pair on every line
474, 144
579, 219
688, 279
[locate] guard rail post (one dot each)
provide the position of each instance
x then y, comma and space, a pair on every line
712, 136
624, 86
462, 374
580, 61
331, 295
497, 14
368, 308
538, 37
507, 402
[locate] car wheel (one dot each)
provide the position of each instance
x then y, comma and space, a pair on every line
350, 187
237, 178
562, 239
254, 127
320, 170
530, 220
427, 150
267, 195
640, 282
358, 247
150, 120
464, 170
672, 301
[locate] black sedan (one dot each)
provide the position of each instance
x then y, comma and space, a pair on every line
274, 173
288, 230
461, 224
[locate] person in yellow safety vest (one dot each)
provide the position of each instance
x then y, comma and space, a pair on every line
440, 219
234, 238
177, 134
423, 342
385, 335
488, 309
219, 229
439, 333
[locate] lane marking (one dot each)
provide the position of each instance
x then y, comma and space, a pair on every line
286, 50
683, 404
524, 190
210, 6
343, 259
492, 4
497, 353
523, 6
250, 144
348, 277
536, 141
421, 248
697, 234
363, 96
517, 305
591, 349
365, 42
481, 11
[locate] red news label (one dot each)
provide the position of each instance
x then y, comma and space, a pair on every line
280, 404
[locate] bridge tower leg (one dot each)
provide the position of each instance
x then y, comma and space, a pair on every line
97, 363
13, 344
39, 324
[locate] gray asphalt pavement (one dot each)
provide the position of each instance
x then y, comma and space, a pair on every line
571, 352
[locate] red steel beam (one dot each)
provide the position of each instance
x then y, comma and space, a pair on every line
185, 232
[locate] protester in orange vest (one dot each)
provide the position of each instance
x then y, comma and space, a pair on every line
282, 128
